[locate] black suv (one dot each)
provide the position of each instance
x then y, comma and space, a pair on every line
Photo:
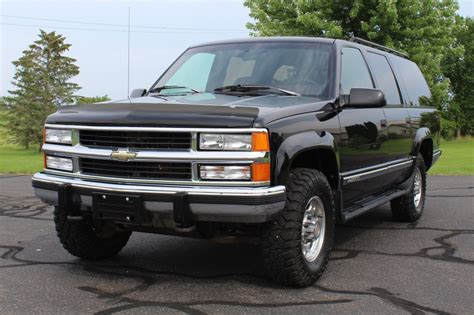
275, 139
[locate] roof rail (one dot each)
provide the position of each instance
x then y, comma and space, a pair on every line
378, 46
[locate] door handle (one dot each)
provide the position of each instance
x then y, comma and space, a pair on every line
408, 120
383, 123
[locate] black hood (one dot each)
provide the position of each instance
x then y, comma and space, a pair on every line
197, 110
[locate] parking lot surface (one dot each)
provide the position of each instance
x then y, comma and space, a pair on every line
378, 265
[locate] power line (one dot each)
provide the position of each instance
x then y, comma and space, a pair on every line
109, 30
119, 25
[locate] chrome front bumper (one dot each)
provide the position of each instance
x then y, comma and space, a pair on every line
216, 204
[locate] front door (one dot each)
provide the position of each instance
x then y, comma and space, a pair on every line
364, 132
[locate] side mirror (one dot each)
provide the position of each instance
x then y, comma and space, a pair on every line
366, 98
137, 93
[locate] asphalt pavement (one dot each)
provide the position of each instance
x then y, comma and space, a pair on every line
377, 266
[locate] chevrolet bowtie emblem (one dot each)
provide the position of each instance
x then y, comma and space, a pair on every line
123, 155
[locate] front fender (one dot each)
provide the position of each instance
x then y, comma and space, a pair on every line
296, 144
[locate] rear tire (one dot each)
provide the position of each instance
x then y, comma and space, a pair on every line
409, 207
80, 238
296, 245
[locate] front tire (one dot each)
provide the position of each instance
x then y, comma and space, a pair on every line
82, 240
296, 245
409, 207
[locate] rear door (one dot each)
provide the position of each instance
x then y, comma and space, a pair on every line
417, 98
396, 149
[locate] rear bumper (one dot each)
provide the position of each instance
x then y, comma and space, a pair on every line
209, 204
436, 155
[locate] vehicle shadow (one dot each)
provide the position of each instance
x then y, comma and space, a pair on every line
195, 260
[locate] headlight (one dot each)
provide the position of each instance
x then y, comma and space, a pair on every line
62, 136
256, 141
58, 163
225, 172
225, 142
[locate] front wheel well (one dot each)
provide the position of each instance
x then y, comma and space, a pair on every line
323, 160
426, 151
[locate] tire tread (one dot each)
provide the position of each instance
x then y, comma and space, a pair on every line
80, 239
281, 244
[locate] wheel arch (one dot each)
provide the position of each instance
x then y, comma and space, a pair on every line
315, 150
423, 144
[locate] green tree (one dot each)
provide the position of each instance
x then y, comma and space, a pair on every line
41, 85
423, 28
460, 71
91, 99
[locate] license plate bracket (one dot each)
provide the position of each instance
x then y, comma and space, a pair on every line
117, 207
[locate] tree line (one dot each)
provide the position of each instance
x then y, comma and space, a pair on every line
430, 31
42, 83
435, 37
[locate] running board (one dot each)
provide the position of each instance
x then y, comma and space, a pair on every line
367, 204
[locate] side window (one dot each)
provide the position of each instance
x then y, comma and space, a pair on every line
194, 73
354, 71
415, 84
384, 78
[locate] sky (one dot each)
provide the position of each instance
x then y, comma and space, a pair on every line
160, 31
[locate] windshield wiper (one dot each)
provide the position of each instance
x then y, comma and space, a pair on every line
234, 89
158, 89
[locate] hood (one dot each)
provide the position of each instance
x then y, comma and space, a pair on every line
196, 110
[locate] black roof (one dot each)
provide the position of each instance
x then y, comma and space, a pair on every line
274, 39
302, 39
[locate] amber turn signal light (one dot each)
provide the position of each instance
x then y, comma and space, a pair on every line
260, 142
260, 172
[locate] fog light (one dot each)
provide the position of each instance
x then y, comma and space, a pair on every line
225, 172
58, 163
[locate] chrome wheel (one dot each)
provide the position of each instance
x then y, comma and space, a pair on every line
312, 229
417, 188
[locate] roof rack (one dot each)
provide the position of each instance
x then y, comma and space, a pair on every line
378, 46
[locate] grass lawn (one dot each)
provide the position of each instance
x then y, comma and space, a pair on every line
457, 159
14, 160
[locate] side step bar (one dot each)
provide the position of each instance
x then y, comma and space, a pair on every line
367, 204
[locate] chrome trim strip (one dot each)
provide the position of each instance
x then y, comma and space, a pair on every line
215, 191
375, 172
377, 166
192, 182
165, 156
436, 153
158, 129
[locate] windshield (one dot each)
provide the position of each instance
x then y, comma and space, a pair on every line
302, 68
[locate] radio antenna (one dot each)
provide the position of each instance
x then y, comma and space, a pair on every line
128, 56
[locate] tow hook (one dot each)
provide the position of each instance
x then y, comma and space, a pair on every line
66, 203
182, 214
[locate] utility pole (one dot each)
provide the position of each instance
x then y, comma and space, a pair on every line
128, 56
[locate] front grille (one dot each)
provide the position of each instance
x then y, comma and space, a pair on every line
144, 140
144, 170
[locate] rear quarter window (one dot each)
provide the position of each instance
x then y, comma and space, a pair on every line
415, 84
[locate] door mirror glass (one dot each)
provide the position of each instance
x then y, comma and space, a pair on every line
367, 98
137, 93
